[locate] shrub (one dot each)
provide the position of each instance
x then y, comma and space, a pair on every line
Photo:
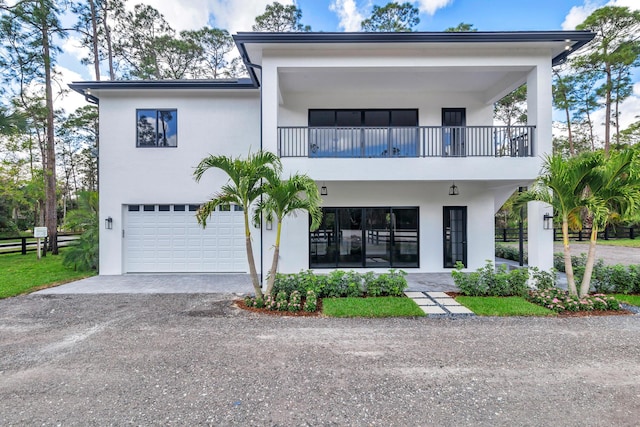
542, 279
558, 300
294, 301
392, 283
342, 283
616, 279
577, 261
311, 302
282, 301
509, 252
489, 281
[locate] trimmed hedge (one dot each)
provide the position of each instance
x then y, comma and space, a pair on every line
490, 281
342, 283
509, 252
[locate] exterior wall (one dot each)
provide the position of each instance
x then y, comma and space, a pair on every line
294, 110
220, 123
429, 197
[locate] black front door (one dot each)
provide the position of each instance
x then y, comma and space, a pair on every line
453, 122
454, 232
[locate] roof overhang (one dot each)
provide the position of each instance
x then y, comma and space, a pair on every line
560, 43
91, 90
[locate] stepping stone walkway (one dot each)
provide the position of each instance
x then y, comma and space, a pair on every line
438, 303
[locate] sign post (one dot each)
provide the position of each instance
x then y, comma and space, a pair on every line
39, 233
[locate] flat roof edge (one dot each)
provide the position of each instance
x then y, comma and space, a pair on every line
413, 37
160, 84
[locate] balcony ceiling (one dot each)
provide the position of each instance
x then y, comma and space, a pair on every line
486, 80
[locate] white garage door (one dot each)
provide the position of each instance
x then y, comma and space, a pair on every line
167, 238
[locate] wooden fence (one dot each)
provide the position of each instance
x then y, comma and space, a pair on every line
512, 235
22, 245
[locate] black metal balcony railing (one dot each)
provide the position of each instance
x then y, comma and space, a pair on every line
423, 141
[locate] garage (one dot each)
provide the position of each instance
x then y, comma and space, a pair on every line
168, 239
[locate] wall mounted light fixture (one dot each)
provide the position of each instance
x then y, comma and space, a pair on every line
269, 225
108, 223
453, 190
323, 190
548, 221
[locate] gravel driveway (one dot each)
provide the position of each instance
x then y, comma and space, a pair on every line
194, 359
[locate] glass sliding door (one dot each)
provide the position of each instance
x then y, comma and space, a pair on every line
365, 237
323, 243
378, 237
455, 235
404, 224
349, 237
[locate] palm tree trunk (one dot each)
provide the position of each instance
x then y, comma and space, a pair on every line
591, 259
274, 263
568, 267
252, 262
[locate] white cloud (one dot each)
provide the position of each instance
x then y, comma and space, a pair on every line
234, 15
180, 15
431, 6
231, 15
73, 46
578, 14
348, 13
631, 4
69, 101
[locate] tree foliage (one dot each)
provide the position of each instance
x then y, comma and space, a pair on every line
246, 183
613, 52
512, 109
28, 31
278, 18
284, 198
462, 27
83, 253
593, 187
392, 17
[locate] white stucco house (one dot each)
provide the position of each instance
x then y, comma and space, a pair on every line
396, 128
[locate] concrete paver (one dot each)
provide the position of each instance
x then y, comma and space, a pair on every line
432, 309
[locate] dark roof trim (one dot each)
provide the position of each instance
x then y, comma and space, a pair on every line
577, 38
85, 88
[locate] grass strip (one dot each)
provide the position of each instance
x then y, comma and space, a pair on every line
371, 307
21, 274
629, 243
503, 306
628, 299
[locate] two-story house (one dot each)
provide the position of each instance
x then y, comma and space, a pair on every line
396, 129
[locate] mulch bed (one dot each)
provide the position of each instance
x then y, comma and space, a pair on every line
240, 304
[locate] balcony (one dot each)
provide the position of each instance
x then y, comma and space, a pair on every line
398, 142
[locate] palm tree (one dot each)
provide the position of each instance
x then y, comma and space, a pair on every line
247, 178
83, 253
562, 185
298, 193
613, 193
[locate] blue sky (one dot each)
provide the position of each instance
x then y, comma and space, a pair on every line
486, 15
346, 15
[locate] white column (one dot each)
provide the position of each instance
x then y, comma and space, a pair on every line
540, 241
539, 106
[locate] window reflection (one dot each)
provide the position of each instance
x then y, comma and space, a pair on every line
157, 128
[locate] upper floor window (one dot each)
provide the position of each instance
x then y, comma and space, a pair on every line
363, 118
156, 128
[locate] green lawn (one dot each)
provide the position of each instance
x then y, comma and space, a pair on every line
503, 306
628, 299
635, 243
370, 307
20, 274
